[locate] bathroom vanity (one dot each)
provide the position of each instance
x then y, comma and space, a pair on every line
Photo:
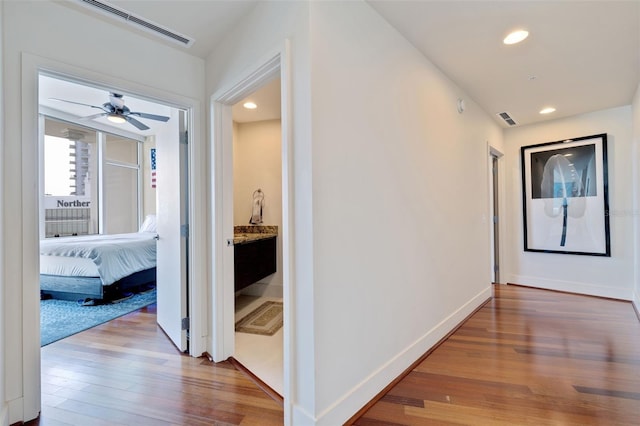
254, 250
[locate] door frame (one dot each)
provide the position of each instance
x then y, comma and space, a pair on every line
494, 153
32, 65
277, 62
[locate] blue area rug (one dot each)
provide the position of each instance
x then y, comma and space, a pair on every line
62, 318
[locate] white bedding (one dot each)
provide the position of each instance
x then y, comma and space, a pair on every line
115, 256
68, 266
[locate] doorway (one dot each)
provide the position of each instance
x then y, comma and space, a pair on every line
129, 163
222, 268
26, 350
494, 195
257, 213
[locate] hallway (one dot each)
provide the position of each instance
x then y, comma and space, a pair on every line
528, 356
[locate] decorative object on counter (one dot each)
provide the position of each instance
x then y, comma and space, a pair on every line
265, 320
565, 194
258, 203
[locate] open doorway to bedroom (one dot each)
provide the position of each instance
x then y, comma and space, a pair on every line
106, 213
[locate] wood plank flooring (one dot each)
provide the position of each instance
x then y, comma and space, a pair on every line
126, 372
528, 356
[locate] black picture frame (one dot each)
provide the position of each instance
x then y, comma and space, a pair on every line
565, 196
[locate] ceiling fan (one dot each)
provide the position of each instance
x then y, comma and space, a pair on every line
117, 112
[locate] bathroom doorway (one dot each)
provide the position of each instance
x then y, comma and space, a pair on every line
257, 220
223, 271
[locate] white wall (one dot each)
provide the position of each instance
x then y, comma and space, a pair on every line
64, 39
602, 276
401, 205
257, 163
636, 180
400, 239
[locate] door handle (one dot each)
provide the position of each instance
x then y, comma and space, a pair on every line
157, 237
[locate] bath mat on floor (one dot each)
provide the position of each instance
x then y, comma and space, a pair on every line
265, 320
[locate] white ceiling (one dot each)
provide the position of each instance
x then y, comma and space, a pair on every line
580, 56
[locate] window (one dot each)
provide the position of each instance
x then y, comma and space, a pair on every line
91, 181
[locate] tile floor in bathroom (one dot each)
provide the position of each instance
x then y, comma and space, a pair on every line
262, 355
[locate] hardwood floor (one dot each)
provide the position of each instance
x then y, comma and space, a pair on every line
528, 356
126, 372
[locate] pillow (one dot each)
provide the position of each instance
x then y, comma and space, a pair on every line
149, 224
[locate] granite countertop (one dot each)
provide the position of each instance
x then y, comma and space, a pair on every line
248, 233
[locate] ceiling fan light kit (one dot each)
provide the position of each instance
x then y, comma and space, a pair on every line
115, 118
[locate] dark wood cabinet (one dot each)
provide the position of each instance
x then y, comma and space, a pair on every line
254, 260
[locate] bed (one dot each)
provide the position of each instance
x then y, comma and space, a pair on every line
98, 266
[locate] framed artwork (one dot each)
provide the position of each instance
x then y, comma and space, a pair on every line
565, 196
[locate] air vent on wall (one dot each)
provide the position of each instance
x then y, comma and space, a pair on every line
121, 14
507, 118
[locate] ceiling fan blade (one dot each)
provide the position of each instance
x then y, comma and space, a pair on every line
136, 123
91, 117
77, 103
150, 116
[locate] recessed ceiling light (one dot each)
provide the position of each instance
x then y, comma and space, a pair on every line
547, 110
516, 37
250, 105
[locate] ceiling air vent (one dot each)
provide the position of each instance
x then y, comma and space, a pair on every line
122, 15
507, 118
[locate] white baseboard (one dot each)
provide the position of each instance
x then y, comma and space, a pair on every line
573, 287
349, 404
301, 417
4, 415
15, 409
264, 290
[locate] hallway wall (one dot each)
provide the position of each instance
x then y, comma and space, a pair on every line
401, 204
